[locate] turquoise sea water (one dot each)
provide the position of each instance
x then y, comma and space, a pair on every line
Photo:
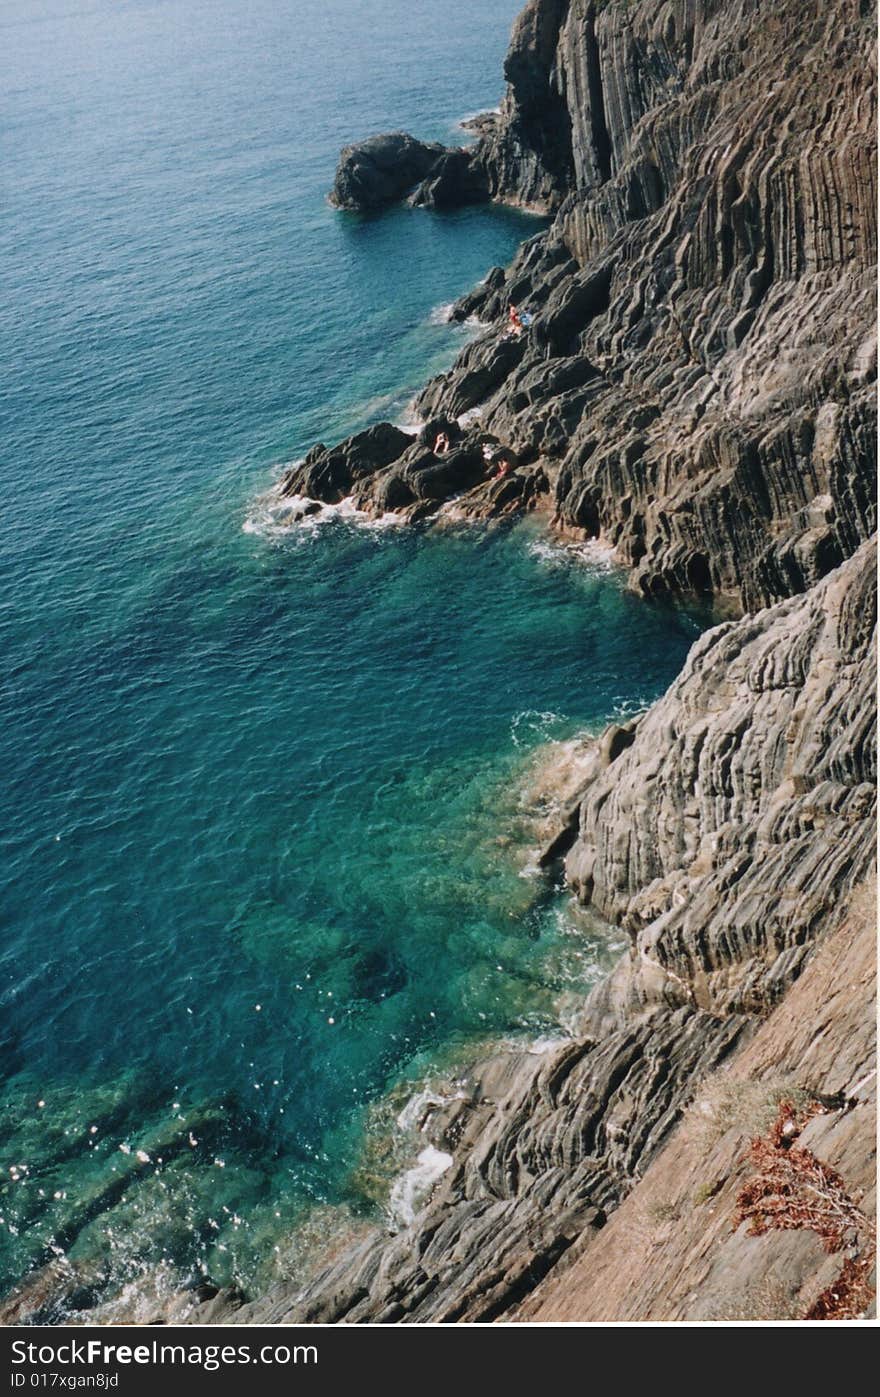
264, 845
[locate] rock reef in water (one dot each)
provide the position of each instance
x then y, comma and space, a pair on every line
380, 170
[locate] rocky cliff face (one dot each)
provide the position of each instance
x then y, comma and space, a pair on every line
720, 228
695, 385
725, 834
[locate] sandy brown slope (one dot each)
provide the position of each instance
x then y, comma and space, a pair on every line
670, 1251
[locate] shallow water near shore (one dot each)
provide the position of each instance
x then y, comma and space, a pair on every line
265, 836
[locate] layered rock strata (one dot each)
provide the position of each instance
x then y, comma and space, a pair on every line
740, 809
694, 384
671, 1251
727, 830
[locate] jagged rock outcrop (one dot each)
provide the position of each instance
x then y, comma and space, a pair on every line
741, 810
711, 169
385, 470
384, 169
331, 474
455, 178
528, 155
381, 170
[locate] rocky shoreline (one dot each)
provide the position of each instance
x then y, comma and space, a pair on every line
693, 384
546, 1147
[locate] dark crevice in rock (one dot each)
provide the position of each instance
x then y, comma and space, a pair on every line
600, 136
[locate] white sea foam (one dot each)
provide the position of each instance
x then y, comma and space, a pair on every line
531, 724
531, 868
471, 326
413, 1188
548, 1044
460, 124
385, 521
273, 514
592, 553
418, 1106
626, 708
441, 314
274, 517
408, 420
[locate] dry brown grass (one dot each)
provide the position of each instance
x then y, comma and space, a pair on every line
727, 1103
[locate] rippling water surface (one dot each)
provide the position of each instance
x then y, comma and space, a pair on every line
265, 843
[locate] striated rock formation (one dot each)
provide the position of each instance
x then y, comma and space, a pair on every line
723, 836
695, 385
528, 155
727, 829
671, 1252
697, 381
545, 1147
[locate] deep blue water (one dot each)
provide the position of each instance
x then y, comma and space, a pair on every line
263, 835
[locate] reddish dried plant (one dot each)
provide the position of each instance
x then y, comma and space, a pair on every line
850, 1295
793, 1189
